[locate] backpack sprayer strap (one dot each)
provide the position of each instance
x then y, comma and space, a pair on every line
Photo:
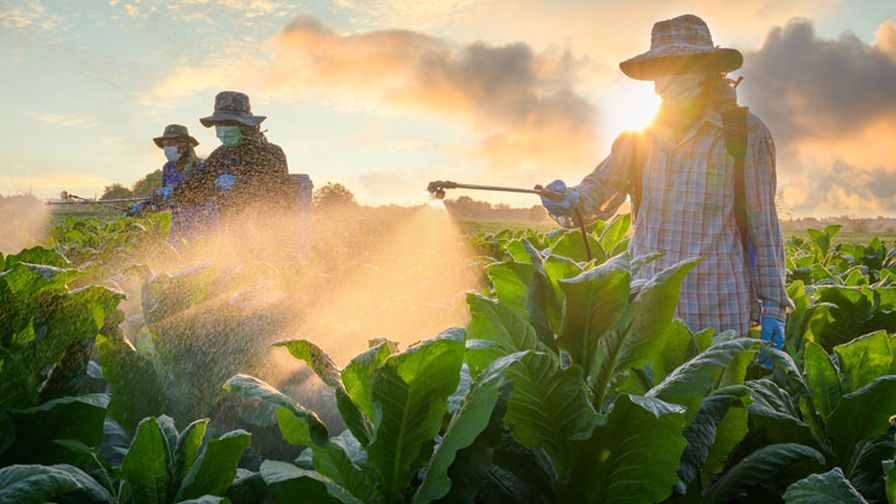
734, 122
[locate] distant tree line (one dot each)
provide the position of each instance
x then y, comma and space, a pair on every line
142, 188
466, 207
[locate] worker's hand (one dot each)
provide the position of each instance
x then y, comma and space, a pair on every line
561, 200
165, 193
225, 182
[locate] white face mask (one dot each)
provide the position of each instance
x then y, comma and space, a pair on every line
171, 152
679, 89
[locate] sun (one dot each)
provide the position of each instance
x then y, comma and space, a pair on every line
631, 105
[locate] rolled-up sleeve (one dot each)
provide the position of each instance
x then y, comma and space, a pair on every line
762, 222
604, 190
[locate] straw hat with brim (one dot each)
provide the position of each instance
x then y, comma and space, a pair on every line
681, 45
232, 106
175, 132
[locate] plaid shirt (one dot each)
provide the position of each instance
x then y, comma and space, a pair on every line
687, 210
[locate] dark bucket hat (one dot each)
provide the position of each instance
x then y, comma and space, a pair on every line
232, 106
175, 132
681, 45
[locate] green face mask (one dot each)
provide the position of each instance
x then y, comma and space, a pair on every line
229, 135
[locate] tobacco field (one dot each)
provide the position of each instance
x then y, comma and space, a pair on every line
571, 382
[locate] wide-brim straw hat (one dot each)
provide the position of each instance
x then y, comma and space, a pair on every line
681, 45
175, 132
232, 106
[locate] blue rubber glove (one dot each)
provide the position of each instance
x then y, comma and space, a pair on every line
772, 331
565, 201
165, 193
225, 182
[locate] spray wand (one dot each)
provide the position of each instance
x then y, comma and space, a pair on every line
437, 189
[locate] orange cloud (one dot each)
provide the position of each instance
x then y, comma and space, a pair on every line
522, 104
885, 39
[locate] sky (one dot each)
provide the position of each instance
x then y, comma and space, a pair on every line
386, 95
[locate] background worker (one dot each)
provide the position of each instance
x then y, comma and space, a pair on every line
683, 185
187, 220
246, 173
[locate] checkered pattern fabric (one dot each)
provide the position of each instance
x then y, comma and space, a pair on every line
687, 210
683, 30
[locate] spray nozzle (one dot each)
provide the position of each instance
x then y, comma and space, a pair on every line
437, 188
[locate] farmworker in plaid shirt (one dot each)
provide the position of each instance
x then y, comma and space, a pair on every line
687, 188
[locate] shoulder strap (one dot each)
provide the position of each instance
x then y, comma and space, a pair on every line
635, 178
734, 122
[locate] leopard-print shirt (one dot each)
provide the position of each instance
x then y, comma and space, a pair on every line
261, 177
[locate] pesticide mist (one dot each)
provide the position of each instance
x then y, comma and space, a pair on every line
338, 278
23, 222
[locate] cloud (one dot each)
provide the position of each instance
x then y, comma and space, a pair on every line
831, 106
418, 13
844, 189
245, 8
810, 87
28, 15
885, 39
66, 120
522, 104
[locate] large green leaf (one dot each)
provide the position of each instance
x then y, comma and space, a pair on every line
36, 255
187, 448
38, 328
215, 468
821, 379
701, 432
827, 488
36, 484
729, 433
866, 473
357, 376
145, 467
549, 407
612, 238
528, 289
633, 457
504, 329
678, 346
762, 465
595, 300
634, 341
775, 415
293, 484
572, 246
344, 461
465, 426
689, 383
299, 425
78, 418
316, 359
890, 472
474, 466
131, 380
410, 391
864, 359
863, 414
329, 373
515, 474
